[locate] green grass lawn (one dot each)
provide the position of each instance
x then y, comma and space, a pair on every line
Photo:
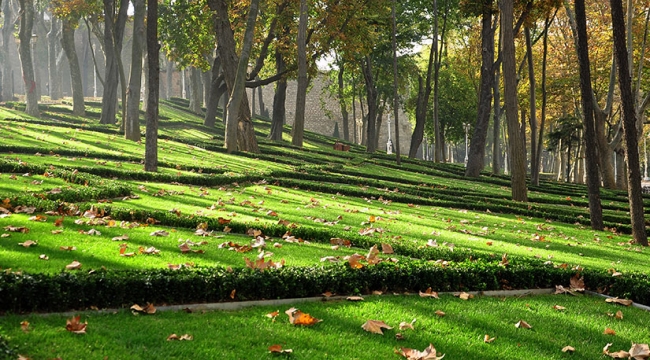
248, 333
345, 193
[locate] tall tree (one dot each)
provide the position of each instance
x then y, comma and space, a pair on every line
395, 75
153, 50
301, 93
342, 101
7, 31
25, 52
515, 142
279, 99
132, 124
114, 23
635, 194
54, 60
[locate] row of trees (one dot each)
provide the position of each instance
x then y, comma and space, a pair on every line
482, 61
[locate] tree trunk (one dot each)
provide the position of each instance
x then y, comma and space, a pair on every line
496, 128
132, 124
534, 159
342, 103
54, 64
437, 128
212, 101
67, 42
145, 81
301, 93
476, 157
279, 100
635, 194
244, 141
7, 31
25, 52
517, 153
371, 95
153, 49
113, 35
540, 140
196, 90
591, 149
169, 80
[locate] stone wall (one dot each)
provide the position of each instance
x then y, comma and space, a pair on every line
323, 112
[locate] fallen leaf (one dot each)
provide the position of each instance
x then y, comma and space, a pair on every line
616, 300
487, 339
375, 326
121, 238
619, 315
440, 313
187, 337
28, 243
43, 257
429, 293
559, 307
354, 298
58, 222
577, 283
232, 293
73, 325
327, 294
387, 249
68, 248
559, 289
523, 324
75, 265
24, 326
465, 296
277, 349
404, 325
273, 315
622, 354
429, 353
568, 349
297, 317
148, 309
159, 233
504, 260
639, 351
609, 331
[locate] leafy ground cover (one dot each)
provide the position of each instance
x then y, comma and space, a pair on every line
98, 231
556, 321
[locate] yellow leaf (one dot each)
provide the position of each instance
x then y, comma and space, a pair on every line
523, 324
568, 349
488, 339
375, 326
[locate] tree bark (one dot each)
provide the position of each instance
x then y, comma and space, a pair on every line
196, 90
372, 101
534, 159
476, 157
212, 101
635, 194
132, 124
298, 130
395, 98
517, 152
591, 149
153, 49
496, 128
279, 100
343, 105
25, 52
54, 64
67, 42
113, 35
540, 141
7, 30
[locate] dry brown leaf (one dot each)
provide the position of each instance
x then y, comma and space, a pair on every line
609, 331
465, 296
429, 353
523, 324
619, 315
43, 257
375, 326
354, 261
504, 260
28, 243
440, 313
273, 315
386, 249
277, 349
24, 326
75, 265
159, 233
559, 307
327, 294
148, 309
297, 317
568, 349
68, 248
73, 325
640, 351
354, 298
577, 283
58, 222
622, 354
488, 339
559, 289
616, 300
187, 337
404, 325
429, 293
121, 238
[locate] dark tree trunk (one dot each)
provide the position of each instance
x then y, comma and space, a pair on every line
279, 100
132, 124
496, 128
420, 116
25, 52
7, 30
538, 160
54, 63
196, 90
113, 35
342, 103
517, 152
534, 161
153, 49
212, 102
395, 98
371, 95
298, 130
635, 194
476, 156
67, 42
591, 150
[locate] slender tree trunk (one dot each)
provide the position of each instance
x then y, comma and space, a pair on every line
635, 194
517, 152
7, 31
496, 129
534, 159
169, 80
196, 93
538, 152
113, 35
395, 98
371, 94
54, 64
68, 44
420, 112
342, 103
153, 49
25, 52
476, 157
279, 100
591, 150
354, 111
132, 124
301, 93
145, 81
212, 101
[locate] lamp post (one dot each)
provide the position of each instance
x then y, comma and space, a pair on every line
33, 44
466, 126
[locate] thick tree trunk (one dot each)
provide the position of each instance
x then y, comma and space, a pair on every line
53, 56
153, 49
343, 105
372, 101
476, 157
245, 141
212, 101
517, 153
591, 149
635, 194
196, 91
25, 52
298, 130
67, 42
113, 35
132, 123
279, 100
